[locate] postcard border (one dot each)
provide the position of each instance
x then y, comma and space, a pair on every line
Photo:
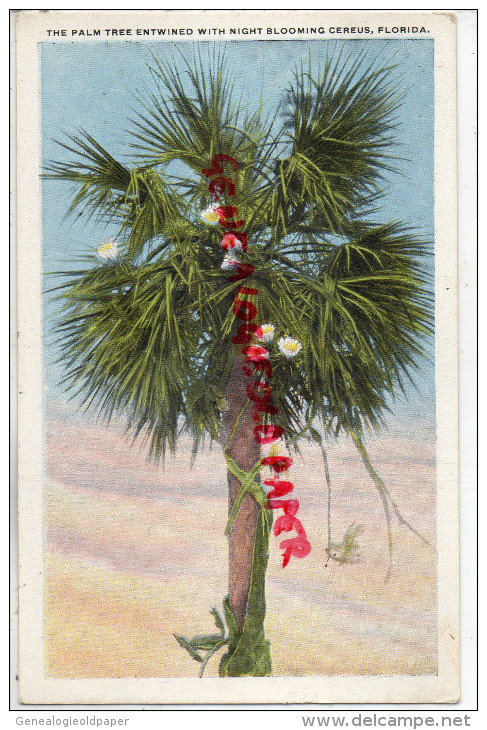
34, 687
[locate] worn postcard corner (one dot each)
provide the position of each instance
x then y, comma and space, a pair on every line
237, 357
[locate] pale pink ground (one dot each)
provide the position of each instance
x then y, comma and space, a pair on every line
135, 552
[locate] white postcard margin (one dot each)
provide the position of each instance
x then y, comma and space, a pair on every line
35, 688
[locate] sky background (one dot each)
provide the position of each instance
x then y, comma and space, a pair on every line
135, 552
93, 86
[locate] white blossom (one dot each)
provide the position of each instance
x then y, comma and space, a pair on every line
267, 332
210, 215
108, 250
230, 242
289, 346
230, 261
277, 448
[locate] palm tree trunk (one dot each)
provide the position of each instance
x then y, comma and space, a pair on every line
249, 652
245, 451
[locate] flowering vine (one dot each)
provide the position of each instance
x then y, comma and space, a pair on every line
256, 361
247, 649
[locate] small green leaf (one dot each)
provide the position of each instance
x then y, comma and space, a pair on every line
219, 623
230, 618
187, 645
346, 550
208, 656
315, 435
206, 642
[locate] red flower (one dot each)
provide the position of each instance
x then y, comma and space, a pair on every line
290, 506
268, 433
245, 332
286, 523
244, 271
231, 224
258, 362
229, 241
263, 398
221, 157
227, 211
298, 547
280, 488
233, 240
242, 308
216, 168
278, 463
255, 353
259, 392
220, 184
242, 237
264, 365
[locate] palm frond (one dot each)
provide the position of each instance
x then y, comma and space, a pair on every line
99, 180
339, 126
150, 335
137, 199
190, 117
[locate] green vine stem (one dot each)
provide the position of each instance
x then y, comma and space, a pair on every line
248, 652
248, 484
386, 498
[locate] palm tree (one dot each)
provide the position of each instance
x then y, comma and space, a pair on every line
150, 332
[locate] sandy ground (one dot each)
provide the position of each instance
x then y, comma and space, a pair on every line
135, 552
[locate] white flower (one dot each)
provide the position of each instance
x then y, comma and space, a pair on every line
267, 332
277, 448
289, 346
230, 242
230, 261
209, 214
108, 250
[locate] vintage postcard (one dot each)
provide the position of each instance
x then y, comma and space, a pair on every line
237, 357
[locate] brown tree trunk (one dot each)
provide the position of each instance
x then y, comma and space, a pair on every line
245, 451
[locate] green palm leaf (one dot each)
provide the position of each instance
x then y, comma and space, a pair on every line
150, 335
339, 127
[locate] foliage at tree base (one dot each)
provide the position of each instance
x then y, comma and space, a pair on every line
243, 660
248, 653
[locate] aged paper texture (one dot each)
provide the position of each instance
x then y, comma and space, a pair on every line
237, 357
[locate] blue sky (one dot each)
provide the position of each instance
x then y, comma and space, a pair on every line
93, 86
